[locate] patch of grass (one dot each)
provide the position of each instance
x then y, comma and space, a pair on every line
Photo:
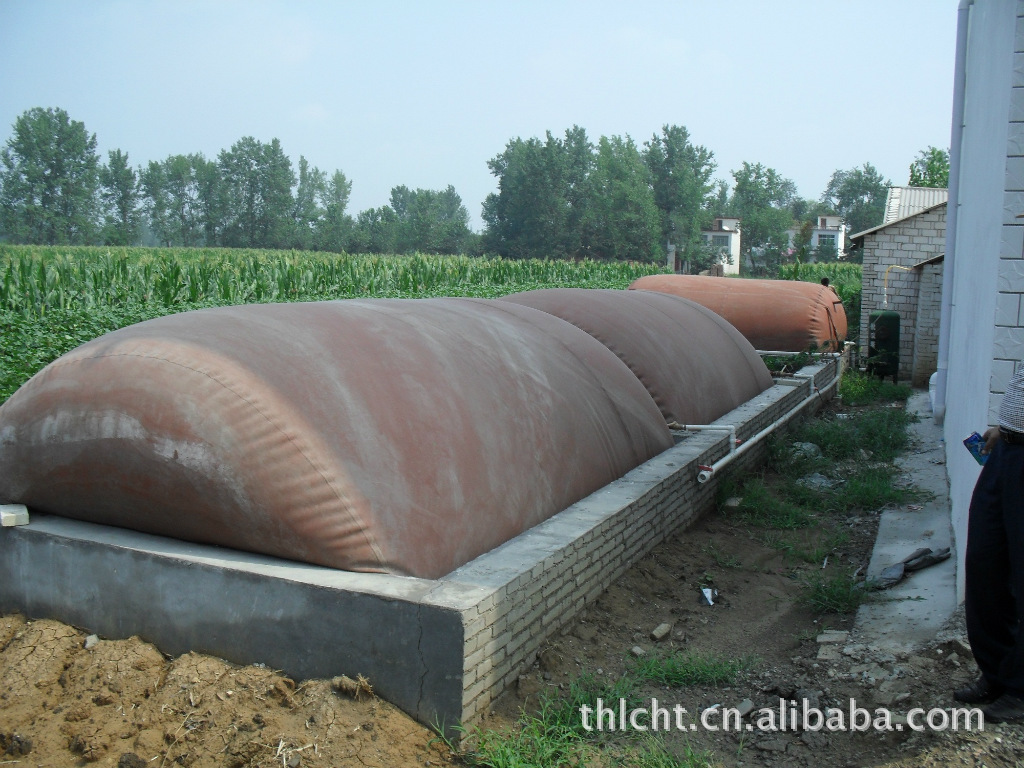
787, 363
722, 559
679, 669
534, 741
564, 711
778, 542
858, 388
881, 433
766, 509
836, 593
863, 488
653, 754
875, 488
553, 736
826, 547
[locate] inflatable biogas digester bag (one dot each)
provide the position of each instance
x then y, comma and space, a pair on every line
774, 315
389, 435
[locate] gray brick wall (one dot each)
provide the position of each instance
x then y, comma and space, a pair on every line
900, 245
926, 338
544, 578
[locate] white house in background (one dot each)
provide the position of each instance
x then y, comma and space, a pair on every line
981, 330
725, 236
828, 232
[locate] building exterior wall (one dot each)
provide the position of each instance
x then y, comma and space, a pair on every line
896, 249
984, 265
926, 339
727, 234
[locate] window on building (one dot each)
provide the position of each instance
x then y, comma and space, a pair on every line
720, 241
826, 241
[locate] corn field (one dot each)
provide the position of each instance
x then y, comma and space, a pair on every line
53, 299
37, 280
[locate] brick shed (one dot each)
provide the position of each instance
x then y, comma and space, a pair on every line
902, 271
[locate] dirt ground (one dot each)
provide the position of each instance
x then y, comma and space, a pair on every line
66, 700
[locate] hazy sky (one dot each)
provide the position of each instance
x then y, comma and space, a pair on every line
425, 93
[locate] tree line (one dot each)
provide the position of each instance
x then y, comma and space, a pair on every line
55, 190
560, 197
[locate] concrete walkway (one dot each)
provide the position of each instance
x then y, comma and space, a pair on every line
911, 613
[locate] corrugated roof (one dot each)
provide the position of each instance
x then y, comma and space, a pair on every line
861, 234
902, 202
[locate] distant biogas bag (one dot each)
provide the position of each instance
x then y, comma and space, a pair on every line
773, 315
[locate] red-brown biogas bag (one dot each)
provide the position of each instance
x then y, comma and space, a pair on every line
696, 366
406, 436
774, 315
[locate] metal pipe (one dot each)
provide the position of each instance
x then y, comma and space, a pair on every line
791, 353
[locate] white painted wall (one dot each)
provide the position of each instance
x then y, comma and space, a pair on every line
986, 229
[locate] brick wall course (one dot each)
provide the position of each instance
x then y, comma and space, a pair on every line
647, 506
902, 244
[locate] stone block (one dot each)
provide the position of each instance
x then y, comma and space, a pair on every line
1015, 140
1011, 242
1008, 308
1011, 276
1013, 205
1015, 165
13, 514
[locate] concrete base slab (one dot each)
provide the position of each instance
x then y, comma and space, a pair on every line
912, 612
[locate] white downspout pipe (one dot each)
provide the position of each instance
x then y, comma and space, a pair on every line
791, 353
963, 16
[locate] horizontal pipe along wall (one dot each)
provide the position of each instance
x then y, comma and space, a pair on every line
442, 650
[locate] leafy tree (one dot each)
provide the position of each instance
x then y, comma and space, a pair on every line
307, 212
621, 219
335, 229
210, 196
541, 198
683, 188
575, 163
858, 195
49, 178
376, 230
258, 181
121, 195
761, 200
930, 169
155, 203
429, 221
804, 210
182, 200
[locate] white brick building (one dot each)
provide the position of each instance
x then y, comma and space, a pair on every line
982, 325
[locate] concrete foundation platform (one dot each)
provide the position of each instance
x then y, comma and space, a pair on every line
441, 649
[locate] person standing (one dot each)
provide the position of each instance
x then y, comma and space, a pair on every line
994, 566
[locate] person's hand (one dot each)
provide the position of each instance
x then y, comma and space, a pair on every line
991, 438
